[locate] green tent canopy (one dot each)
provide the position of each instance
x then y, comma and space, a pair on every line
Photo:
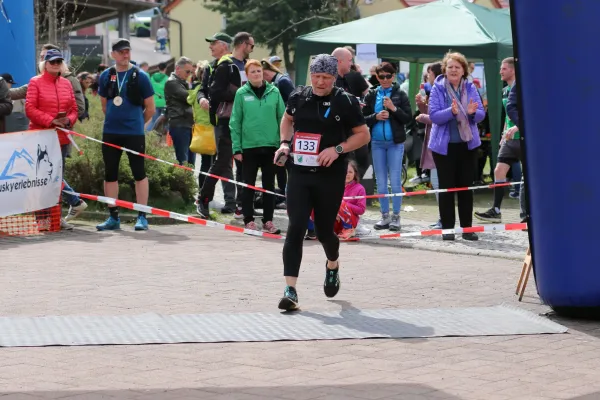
424, 34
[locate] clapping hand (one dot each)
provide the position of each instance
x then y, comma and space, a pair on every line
454, 107
387, 103
472, 107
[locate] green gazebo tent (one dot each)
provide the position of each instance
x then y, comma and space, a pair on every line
424, 34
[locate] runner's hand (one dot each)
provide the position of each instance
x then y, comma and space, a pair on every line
327, 157
285, 150
238, 157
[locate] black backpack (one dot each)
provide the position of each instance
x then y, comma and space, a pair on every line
134, 94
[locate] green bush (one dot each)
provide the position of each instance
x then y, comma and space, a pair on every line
170, 187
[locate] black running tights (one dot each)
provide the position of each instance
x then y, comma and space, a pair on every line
322, 192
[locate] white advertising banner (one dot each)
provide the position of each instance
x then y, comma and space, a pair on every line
30, 171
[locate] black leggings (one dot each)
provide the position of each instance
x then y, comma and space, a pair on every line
253, 159
456, 169
307, 191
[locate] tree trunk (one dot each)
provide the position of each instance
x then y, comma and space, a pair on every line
287, 59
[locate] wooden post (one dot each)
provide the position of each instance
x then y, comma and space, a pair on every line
527, 265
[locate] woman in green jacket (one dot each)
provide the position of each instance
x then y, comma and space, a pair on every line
257, 112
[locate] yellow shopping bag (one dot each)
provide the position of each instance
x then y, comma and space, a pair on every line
203, 140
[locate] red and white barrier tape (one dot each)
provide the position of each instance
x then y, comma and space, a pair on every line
69, 133
422, 192
239, 229
372, 196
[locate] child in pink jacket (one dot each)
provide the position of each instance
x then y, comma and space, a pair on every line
350, 210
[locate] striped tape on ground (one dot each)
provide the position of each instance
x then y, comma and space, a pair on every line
238, 229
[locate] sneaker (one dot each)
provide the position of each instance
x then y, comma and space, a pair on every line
384, 223
238, 214
471, 236
74, 211
448, 236
228, 210
490, 215
437, 225
514, 195
289, 301
141, 224
202, 209
346, 234
332, 281
109, 225
416, 180
310, 235
64, 226
281, 206
395, 223
251, 226
257, 213
269, 227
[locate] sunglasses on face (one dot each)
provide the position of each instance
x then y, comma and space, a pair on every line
188, 71
387, 76
55, 62
251, 45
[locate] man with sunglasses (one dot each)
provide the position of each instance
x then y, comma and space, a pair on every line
128, 102
179, 112
229, 76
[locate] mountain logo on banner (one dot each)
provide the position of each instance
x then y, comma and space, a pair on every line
18, 165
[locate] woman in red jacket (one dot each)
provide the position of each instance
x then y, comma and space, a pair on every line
51, 104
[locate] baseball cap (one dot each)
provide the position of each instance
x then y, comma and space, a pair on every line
121, 44
8, 78
223, 37
53, 54
275, 59
266, 64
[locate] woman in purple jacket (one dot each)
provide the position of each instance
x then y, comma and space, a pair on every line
455, 109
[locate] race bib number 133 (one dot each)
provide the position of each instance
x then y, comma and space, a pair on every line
306, 149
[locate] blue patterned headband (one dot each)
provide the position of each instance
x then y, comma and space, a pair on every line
324, 64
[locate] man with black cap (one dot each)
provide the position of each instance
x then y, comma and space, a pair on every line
6, 105
229, 76
220, 45
128, 102
322, 124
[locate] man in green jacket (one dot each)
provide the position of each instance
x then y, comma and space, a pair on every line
159, 80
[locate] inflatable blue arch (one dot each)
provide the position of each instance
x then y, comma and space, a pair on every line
17, 47
556, 69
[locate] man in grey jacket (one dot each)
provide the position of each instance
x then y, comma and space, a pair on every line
179, 112
6, 104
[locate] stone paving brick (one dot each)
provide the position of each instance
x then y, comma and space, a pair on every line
186, 269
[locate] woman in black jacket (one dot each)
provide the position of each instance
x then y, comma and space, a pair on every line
386, 110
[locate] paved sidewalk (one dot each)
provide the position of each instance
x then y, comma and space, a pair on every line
191, 269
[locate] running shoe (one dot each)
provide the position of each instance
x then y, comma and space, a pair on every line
489, 216
141, 224
289, 301
110, 224
269, 227
332, 281
74, 211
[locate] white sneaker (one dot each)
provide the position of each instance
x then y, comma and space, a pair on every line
75, 211
416, 180
64, 226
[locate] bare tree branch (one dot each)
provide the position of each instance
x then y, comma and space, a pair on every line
298, 23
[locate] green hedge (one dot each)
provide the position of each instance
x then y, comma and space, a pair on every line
170, 187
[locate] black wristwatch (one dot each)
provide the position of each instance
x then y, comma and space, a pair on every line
339, 149
285, 142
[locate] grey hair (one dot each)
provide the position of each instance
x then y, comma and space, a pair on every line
183, 61
228, 45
